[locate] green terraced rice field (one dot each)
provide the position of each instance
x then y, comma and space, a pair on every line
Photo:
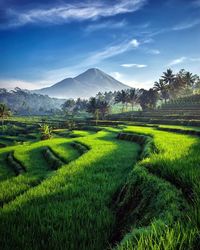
129, 187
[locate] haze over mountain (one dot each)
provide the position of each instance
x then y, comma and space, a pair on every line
84, 85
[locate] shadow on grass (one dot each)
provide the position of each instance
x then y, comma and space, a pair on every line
70, 210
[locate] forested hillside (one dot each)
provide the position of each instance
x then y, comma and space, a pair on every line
24, 102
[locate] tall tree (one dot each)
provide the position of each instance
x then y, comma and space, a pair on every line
93, 108
122, 97
162, 87
104, 108
98, 108
168, 76
189, 79
133, 96
68, 107
148, 99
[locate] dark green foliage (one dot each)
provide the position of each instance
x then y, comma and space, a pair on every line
148, 99
98, 108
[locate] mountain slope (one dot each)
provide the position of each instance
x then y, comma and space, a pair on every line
84, 85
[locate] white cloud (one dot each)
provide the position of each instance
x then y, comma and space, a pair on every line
186, 25
74, 12
134, 65
111, 51
177, 61
135, 43
117, 75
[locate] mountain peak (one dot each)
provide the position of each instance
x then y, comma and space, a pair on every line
91, 71
85, 85
94, 70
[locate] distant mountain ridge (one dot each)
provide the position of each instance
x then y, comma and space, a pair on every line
84, 85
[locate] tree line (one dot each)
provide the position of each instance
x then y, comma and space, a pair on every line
169, 87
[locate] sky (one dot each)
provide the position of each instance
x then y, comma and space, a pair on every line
45, 41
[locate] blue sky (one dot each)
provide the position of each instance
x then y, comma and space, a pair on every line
42, 42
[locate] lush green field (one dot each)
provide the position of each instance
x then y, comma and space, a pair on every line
70, 208
92, 190
173, 172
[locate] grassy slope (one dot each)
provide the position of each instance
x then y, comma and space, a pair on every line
158, 205
181, 127
170, 179
71, 209
30, 156
5, 171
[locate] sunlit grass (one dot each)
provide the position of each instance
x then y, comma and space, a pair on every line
177, 162
78, 205
72, 208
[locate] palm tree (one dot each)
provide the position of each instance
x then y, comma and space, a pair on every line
133, 96
4, 112
148, 98
68, 107
122, 97
189, 79
104, 108
93, 108
162, 87
168, 76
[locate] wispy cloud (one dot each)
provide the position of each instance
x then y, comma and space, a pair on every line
105, 25
133, 65
154, 51
184, 59
196, 3
111, 51
186, 25
92, 60
73, 12
177, 61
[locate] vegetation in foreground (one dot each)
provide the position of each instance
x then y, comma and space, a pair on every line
84, 190
167, 216
75, 198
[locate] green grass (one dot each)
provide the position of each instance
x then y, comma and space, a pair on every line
5, 171
177, 164
119, 194
181, 127
31, 157
70, 209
